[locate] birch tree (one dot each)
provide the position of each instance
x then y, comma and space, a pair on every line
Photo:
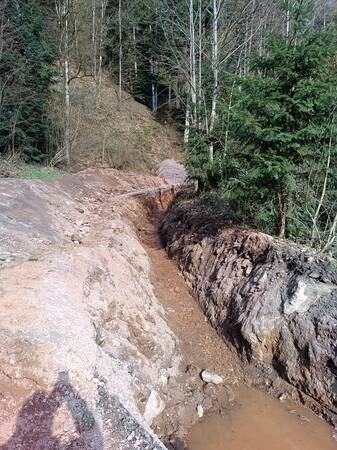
63, 11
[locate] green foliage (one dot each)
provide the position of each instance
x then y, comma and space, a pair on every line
26, 79
36, 172
271, 163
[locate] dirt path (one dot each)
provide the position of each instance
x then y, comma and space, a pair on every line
200, 345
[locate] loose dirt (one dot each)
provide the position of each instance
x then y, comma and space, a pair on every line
200, 345
244, 418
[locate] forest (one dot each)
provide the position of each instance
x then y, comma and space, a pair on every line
250, 84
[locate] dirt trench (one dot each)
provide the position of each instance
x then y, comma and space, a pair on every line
101, 343
200, 345
273, 303
236, 415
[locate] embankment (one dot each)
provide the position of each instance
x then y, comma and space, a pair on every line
85, 348
276, 305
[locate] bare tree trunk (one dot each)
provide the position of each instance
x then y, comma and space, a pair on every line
193, 81
135, 50
228, 119
250, 37
170, 97
93, 39
154, 99
187, 125
321, 200
245, 48
332, 235
283, 216
288, 19
77, 47
153, 87
215, 69
200, 66
101, 36
120, 52
67, 143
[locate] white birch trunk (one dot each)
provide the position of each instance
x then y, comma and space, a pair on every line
193, 80
332, 235
135, 50
187, 126
215, 69
101, 36
93, 39
314, 230
200, 66
288, 20
120, 52
67, 143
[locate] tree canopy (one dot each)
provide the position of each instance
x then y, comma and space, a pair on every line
26, 78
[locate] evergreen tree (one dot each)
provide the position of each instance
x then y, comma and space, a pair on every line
280, 163
26, 77
284, 126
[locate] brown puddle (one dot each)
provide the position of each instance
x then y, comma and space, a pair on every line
260, 422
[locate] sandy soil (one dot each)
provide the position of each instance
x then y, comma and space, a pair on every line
201, 346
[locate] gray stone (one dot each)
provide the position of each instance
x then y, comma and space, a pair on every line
273, 303
209, 377
154, 407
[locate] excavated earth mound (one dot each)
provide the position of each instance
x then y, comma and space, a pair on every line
84, 346
101, 345
273, 303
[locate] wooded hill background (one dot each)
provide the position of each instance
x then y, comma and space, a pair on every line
250, 84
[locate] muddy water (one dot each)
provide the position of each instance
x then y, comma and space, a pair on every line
257, 421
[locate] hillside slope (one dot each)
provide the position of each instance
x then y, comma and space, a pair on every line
123, 136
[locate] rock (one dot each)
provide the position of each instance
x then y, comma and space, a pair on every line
177, 444
177, 394
33, 258
154, 407
131, 436
282, 397
274, 304
76, 238
207, 404
164, 380
197, 396
200, 411
334, 435
231, 395
209, 377
192, 370
4, 174
303, 418
172, 171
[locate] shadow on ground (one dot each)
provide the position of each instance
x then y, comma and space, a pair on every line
34, 424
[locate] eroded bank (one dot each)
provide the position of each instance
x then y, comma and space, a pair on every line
276, 305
